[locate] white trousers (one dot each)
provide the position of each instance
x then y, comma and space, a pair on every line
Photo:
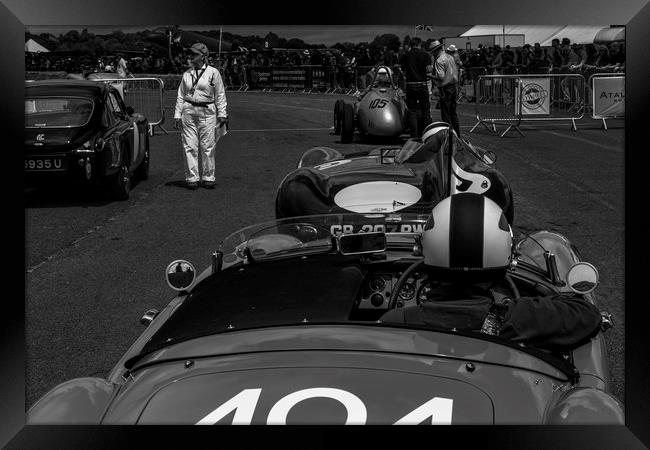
198, 137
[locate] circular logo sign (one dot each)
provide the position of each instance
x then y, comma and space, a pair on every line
534, 96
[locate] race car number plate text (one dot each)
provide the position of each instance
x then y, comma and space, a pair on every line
380, 227
45, 163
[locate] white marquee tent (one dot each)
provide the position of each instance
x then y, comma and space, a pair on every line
34, 47
544, 34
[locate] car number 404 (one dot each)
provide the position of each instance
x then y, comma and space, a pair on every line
43, 164
436, 411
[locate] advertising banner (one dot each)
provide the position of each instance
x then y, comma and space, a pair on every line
532, 97
608, 97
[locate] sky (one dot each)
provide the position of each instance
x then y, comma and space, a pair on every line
312, 34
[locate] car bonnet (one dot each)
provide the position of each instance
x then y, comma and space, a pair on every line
331, 372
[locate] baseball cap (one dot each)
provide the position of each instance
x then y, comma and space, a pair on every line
199, 48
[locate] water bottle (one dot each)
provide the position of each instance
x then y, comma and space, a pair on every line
494, 320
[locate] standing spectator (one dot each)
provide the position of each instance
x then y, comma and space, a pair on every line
526, 56
453, 51
603, 56
617, 55
573, 55
508, 58
538, 63
556, 54
497, 60
445, 75
390, 59
416, 65
200, 106
340, 70
121, 66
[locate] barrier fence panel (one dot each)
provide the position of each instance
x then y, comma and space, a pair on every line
549, 96
497, 102
468, 82
607, 96
511, 99
145, 95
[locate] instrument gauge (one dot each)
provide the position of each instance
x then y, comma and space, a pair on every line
423, 292
377, 283
407, 292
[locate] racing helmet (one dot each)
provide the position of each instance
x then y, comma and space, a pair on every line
384, 75
467, 238
435, 132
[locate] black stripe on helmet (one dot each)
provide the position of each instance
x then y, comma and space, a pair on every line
466, 230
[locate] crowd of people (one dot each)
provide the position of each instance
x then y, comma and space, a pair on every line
561, 57
346, 67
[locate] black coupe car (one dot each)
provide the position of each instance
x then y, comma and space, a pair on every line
83, 131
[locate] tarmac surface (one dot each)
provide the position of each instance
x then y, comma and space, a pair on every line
95, 266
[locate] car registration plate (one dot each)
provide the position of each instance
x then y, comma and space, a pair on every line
47, 163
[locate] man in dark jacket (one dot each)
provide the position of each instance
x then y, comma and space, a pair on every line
471, 275
415, 65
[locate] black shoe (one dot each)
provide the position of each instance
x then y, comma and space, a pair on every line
209, 184
192, 185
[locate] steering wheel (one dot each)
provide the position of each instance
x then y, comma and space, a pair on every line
400, 282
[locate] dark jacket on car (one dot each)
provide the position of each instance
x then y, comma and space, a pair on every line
554, 322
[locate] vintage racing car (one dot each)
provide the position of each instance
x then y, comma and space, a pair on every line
379, 112
283, 328
83, 131
412, 178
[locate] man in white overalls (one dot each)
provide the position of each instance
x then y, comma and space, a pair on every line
200, 110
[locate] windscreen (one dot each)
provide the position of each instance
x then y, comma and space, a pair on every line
299, 236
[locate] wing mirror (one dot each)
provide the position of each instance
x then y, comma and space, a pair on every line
180, 275
582, 278
361, 243
130, 110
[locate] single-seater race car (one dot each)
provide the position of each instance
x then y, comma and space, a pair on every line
411, 179
282, 328
83, 131
379, 112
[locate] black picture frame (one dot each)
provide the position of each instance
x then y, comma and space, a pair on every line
635, 15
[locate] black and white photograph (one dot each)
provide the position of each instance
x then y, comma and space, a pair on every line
372, 205
389, 224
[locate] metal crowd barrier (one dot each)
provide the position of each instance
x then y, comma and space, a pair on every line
496, 102
145, 95
591, 96
511, 99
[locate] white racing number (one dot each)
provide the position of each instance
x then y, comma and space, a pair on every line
436, 411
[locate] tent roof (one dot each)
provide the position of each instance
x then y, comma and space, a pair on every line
609, 35
34, 47
539, 33
579, 34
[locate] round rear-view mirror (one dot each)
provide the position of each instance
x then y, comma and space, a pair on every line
180, 275
582, 278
